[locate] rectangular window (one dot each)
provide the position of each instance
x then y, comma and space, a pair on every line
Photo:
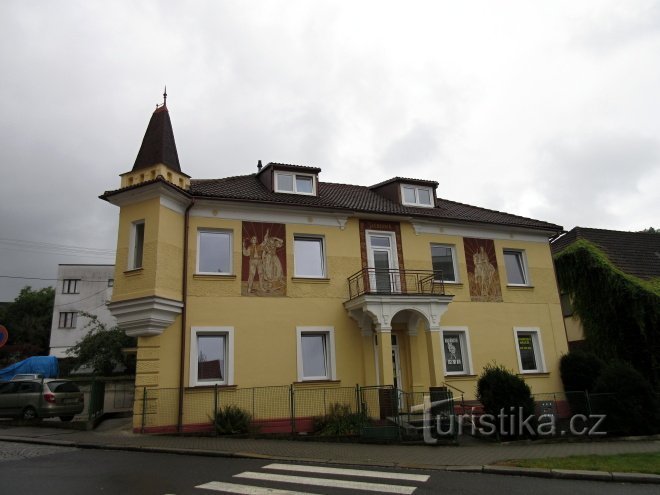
136, 249
211, 356
516, 267
443, 258
68, 319
290, 182
530, 350
214, 252
316, 359
70, 286
456, 351
417, 195
309, 257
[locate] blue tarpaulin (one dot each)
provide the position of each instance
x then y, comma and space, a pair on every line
44, 365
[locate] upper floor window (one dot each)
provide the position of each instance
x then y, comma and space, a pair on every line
516, 267
136, 248
443, 257
417, 195
214, 250
71, 286
290, 182
68, 319
309, 256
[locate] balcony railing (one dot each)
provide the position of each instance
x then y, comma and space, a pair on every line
397, 282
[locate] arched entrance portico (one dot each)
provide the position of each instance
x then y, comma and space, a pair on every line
414, 320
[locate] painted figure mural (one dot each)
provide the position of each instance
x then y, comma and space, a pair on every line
264, 259
482, 270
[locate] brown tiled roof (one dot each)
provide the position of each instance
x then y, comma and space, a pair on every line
356, 198
289, 166
406, 180
635, 253
158, 144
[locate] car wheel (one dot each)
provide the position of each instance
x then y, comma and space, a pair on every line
29, 414
66, 419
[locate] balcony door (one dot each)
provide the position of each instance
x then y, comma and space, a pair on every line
382, 259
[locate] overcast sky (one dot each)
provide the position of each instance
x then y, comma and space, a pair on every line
545, 109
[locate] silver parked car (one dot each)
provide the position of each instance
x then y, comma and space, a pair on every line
47, 398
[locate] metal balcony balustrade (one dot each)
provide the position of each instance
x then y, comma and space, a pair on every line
378, 281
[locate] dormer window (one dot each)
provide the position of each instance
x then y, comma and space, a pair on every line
416, 195
295, 183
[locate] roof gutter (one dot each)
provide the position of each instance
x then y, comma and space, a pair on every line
184, 313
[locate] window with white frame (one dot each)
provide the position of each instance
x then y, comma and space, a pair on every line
290, 182
529, 349
71, 286
211, 356
136, 248
68, 319
308, 256
456, 351
316, 353
516, 267
214, 252
417, 195
443, 257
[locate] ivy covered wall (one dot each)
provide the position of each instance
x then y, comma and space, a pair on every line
620, 314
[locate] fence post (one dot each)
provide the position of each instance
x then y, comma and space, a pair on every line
588, 400
144, 407
358, 408
292, 402
215, 406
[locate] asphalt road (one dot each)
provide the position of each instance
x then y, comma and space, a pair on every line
48, 470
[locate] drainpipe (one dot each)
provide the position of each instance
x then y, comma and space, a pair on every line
184, 313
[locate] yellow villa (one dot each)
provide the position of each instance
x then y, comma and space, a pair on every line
244, 286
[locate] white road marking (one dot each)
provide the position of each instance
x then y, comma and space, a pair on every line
246, 489
349, 472
352, 485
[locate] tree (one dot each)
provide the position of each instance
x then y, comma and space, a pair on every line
651, 230
102, 348
28, 319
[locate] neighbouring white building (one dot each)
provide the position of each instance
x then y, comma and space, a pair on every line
80, 288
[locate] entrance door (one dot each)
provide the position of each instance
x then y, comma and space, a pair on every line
384, 278
396, 370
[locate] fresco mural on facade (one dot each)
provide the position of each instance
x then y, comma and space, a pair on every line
263, 271
483, 276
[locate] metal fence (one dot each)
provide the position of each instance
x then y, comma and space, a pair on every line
381, 412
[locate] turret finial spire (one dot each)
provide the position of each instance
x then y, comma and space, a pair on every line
165, 96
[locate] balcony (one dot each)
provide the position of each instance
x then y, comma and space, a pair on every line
377, 281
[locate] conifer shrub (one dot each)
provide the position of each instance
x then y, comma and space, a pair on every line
504, 394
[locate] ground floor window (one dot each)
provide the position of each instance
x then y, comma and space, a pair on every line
530, 350
456, 351
211, 356
316, 353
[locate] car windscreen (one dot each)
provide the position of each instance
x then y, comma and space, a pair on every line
63, 387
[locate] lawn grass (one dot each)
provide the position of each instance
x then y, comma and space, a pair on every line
624, 463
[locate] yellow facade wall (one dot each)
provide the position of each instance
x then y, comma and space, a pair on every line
265, 345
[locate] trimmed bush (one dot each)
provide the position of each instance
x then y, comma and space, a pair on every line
502, 393
579, 371
232, 420
627, 399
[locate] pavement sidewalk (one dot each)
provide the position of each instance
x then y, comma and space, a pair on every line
471, 455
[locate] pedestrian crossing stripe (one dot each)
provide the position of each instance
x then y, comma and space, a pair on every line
349, 472
329, 482
219, 486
